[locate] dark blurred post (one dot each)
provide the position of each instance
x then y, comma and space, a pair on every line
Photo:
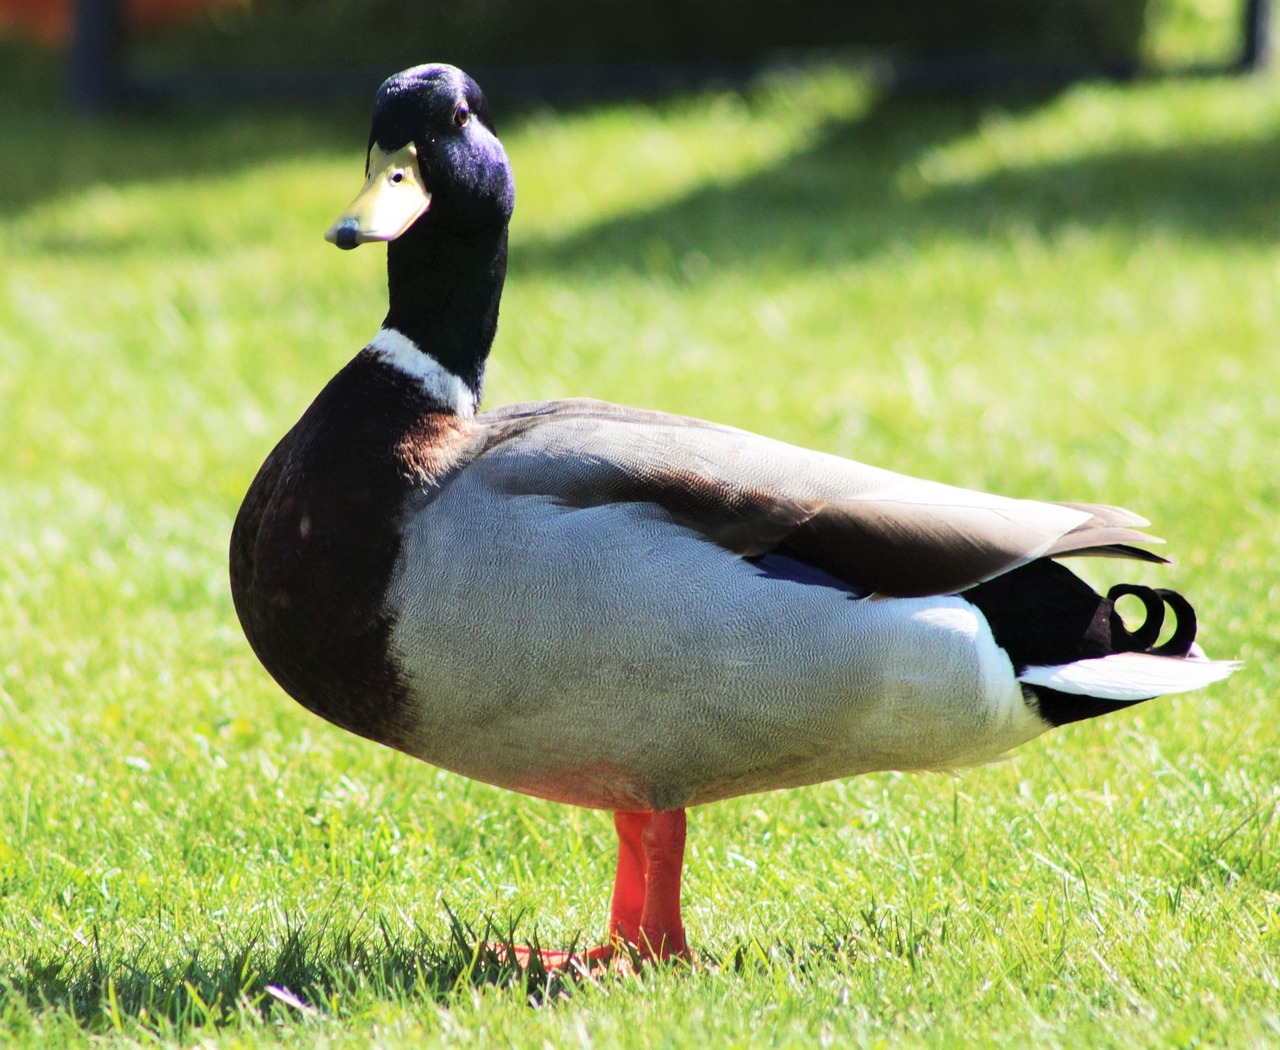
95, 75
1255, 55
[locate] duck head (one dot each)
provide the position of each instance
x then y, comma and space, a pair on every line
433, 158
439, 190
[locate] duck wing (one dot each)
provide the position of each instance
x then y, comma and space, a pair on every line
877, 531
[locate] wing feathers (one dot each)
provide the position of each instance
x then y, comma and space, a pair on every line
1112, 550
890, 534
1109, 515
1093, 536
906, 550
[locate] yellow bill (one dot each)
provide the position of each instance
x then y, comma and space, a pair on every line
391, 201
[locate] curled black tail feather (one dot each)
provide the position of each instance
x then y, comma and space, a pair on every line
1145, 635
1185, 625
1143, 638
1042, 614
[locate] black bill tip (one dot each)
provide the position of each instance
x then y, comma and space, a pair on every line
345, 235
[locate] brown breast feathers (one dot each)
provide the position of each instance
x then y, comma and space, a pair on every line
316, 540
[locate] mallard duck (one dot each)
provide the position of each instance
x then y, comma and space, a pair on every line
633, 611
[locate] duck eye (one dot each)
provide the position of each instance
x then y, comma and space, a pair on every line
462, 114
397, 176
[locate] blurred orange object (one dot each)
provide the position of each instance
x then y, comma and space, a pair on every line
50, 20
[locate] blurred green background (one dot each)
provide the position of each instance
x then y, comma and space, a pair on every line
1065, 293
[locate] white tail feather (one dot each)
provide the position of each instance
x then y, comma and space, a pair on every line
1130, 676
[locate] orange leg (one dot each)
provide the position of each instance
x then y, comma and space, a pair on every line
661, 928
646, 893
627, 912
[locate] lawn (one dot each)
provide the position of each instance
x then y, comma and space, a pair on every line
1070, 296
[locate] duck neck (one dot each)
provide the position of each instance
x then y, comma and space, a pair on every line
444, 289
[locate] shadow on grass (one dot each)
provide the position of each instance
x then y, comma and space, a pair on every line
51, 154
48, 151
318, 971
851, 194
310, 971
859, 191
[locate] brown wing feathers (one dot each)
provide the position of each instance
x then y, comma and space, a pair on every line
890, 534
1107, 534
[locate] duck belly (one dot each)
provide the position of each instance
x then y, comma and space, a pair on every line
608, 657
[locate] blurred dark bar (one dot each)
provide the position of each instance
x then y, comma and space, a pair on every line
1255, 54
99, 78
96, 80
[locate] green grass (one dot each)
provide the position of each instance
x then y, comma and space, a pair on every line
1070, 297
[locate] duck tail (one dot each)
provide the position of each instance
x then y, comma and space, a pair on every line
1129, 677
1073, 652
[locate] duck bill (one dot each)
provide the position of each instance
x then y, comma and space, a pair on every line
392, 200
